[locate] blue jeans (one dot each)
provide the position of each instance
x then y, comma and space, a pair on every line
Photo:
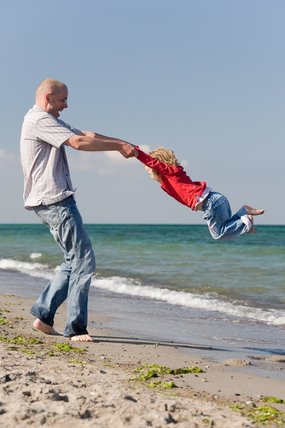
73, 280
221, 223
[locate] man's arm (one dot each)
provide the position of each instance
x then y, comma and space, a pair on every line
93, 142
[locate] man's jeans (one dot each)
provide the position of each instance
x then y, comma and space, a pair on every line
73, 280
218, 215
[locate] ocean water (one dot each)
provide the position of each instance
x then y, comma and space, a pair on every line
170, 282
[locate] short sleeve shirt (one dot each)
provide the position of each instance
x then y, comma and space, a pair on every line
43, 158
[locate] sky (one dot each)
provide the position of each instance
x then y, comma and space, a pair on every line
205, 78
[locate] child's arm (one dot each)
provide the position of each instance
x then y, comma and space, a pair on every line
161, 167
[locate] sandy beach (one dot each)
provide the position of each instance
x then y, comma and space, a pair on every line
125, 381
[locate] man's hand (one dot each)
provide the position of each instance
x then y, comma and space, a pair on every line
127, 150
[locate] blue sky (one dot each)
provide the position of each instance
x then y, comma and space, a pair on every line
205, 78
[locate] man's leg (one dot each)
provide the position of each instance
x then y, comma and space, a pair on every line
73, 279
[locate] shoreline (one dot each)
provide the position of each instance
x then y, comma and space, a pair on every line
156, 320
60, 383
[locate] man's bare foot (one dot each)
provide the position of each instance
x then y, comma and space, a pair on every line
252, 211
44, 328
81, 338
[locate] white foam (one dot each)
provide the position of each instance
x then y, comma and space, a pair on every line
204, 302
35, 256
38, 270
127, 286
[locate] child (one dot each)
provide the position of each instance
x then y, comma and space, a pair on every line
163, 166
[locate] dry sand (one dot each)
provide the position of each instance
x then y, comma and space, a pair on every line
93, 385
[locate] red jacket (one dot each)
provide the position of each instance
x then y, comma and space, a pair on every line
175, 181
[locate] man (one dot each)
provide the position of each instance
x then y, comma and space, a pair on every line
49, 193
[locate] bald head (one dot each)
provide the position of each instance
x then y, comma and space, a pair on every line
51, 96
49, 86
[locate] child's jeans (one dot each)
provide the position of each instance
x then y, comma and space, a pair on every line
218, 215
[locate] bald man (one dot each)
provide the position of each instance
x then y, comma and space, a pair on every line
48, 192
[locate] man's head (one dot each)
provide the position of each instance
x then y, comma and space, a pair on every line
51, 96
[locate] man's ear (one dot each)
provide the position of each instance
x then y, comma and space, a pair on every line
47, 96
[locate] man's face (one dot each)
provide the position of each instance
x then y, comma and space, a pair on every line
57, 102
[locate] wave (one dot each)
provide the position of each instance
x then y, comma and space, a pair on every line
35, 255
203, 302
33, 269
130, 287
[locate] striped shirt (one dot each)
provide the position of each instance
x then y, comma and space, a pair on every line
43, 158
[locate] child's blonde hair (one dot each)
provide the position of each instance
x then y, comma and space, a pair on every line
165, 155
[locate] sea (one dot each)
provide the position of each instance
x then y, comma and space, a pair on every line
170, 283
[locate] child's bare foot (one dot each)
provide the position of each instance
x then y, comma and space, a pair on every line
252, 230
82, 338
44, 328
252, 211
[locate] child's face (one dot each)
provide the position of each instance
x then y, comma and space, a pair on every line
152, 174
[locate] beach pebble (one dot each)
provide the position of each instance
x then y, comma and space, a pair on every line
130, 398
251, 403
6, 378
170, 419
277, 358
234, 362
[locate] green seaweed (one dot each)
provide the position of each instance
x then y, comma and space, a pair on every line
80, 362
271, 399
207, 421
147, 372
3, 310
153, 371
262, 414
21, 340
28, 352
3, 320
160, 384
65, 347
185, 370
